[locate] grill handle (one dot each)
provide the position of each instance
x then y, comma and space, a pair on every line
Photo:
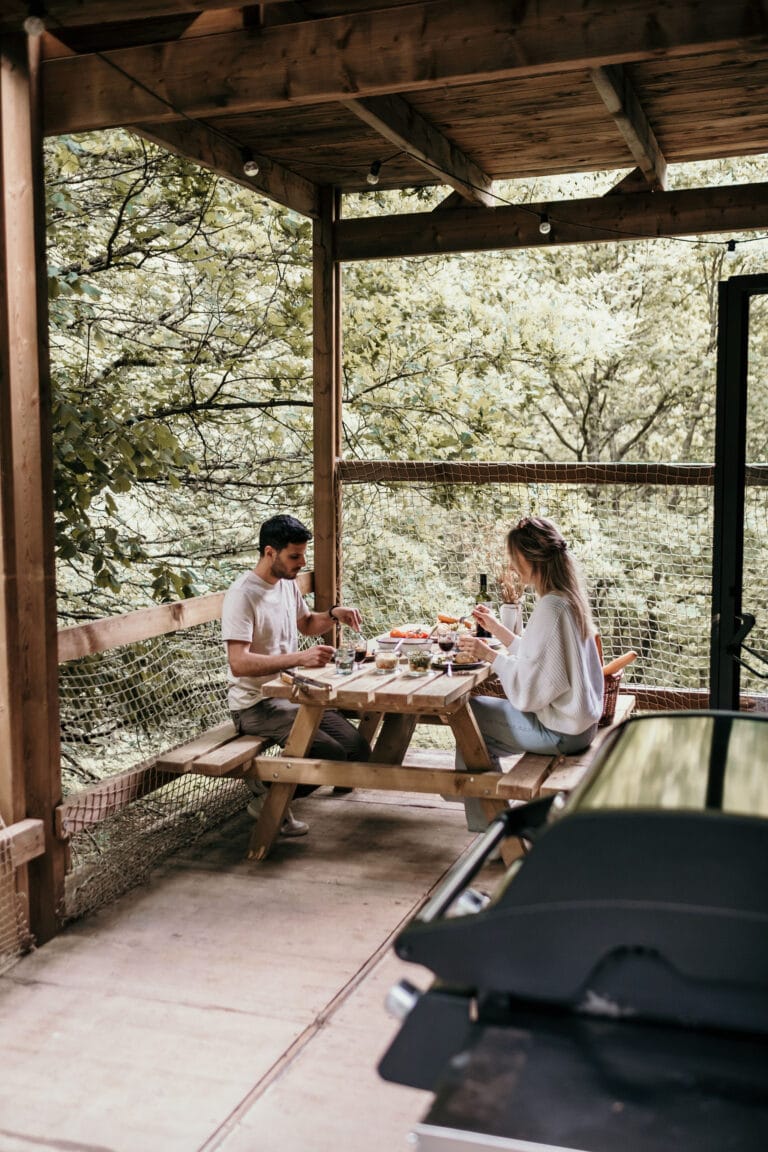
522, 821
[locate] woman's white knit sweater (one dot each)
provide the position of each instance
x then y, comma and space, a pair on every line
552, 670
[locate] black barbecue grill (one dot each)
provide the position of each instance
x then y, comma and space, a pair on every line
613, 991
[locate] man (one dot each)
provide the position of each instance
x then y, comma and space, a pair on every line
262, 616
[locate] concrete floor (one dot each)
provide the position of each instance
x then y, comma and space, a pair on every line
230, 1005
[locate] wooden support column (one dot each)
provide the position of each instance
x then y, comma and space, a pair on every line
326, 298
30, 775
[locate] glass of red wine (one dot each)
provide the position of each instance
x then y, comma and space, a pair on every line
446, 642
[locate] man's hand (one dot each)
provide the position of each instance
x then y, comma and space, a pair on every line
349, 616
316, 657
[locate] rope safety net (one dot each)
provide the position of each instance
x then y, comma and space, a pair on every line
414, 541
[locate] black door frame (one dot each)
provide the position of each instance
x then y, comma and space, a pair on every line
734, 298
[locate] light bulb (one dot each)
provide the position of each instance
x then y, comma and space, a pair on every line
544, 225
250, 163
373, 175
34, 25
730, 251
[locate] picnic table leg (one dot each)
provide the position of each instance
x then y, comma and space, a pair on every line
394, 738
470, 742
267, 827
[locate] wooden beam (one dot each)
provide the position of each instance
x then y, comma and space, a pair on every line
25, 840
146, 623
195, 141
30, 777
378, 52
399, 123
620, 98
604, 220
81, 13
326, 329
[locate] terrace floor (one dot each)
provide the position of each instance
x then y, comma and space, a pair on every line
232, 1005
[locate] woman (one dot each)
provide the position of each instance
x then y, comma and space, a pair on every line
551, 675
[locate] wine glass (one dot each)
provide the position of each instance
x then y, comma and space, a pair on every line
446, 642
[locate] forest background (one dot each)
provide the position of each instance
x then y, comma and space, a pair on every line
181, 350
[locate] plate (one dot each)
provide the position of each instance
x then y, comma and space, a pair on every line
472, 666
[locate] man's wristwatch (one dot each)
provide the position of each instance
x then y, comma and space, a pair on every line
332, 610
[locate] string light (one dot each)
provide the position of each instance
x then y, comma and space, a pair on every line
730, 251
250, 163
544, 225
34, 25
373, 174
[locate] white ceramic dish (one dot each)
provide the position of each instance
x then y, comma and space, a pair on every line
385, 640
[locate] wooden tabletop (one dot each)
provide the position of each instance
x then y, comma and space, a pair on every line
432, 693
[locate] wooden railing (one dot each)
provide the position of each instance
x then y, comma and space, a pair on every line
103, 799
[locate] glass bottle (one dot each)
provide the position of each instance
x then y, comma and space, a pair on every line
482, 598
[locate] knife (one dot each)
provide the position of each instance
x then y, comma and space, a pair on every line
306, 680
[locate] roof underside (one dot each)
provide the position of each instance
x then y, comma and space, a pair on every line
443, 92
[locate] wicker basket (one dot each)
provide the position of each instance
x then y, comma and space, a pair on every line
610, 696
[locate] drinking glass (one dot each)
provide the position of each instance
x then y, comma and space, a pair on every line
345, 660
419, 660
361, 650
387, 660
446, 641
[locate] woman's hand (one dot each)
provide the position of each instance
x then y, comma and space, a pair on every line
476, 647
486, 619
316, 657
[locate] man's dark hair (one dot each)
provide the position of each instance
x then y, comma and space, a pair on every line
280, 531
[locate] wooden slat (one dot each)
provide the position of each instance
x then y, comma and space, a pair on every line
524, 779
386, 777
236, 754
181, 759
25, 840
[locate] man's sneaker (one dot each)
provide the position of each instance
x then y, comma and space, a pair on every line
293, 827
290, 826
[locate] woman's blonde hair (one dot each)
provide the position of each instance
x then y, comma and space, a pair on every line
541, 545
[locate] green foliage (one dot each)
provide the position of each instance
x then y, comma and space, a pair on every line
181, 339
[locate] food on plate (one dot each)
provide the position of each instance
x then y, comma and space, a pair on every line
460, 659
409, 634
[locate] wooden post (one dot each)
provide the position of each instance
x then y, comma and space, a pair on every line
30, 773
326, 299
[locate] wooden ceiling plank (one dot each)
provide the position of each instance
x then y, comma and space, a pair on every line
80, 14
399, 123
377, 53
195, 141
618, 95
607, 219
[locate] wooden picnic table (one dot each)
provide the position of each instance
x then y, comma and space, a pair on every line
389, 707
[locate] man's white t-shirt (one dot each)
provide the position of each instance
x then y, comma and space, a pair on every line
264, 616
